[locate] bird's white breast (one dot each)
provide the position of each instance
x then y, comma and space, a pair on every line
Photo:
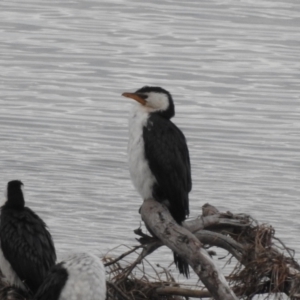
9, 273
86, 278
140, 172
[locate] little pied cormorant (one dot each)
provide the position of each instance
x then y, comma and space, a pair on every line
27, 251
159, 161
80, 276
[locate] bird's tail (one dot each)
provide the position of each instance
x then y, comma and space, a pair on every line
182, 265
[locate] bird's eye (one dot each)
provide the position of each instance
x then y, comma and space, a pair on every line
143, 96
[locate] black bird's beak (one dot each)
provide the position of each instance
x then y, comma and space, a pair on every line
135, 97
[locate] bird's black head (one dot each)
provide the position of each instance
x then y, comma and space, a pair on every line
15, 197
156, 99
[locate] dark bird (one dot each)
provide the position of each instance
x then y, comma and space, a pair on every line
81, 276
27, 251
159, 161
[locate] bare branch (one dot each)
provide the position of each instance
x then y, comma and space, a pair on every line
222, 241
111, 262
168, 290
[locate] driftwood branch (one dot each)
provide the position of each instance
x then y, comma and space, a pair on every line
221, 241
250, 243
264, 264
158, 219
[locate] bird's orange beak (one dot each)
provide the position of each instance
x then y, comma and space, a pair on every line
135, 97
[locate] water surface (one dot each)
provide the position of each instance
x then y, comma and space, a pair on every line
232, 68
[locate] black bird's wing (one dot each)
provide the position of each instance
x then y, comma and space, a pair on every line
27, 245
168, 157
53, 284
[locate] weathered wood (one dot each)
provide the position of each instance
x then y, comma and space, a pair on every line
169, 290
214, 229
158, 219
260, 255
218, 221
222, 241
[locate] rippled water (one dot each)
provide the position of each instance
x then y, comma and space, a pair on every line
232, 67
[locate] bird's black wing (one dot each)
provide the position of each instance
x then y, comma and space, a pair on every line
27, 245
168, 157
53, 283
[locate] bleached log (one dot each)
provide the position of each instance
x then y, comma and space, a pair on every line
158, 219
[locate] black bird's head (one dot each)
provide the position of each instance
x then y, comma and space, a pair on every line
155, 99
15, 197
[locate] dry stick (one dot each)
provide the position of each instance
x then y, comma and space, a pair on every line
147, 249
183, 242
122, 256
168, 290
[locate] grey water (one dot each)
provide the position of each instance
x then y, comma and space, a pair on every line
232, 67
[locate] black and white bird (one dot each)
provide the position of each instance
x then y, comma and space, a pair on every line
159, 161
80, 276
27, 251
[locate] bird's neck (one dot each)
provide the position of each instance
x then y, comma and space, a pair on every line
15, 200
138, 117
